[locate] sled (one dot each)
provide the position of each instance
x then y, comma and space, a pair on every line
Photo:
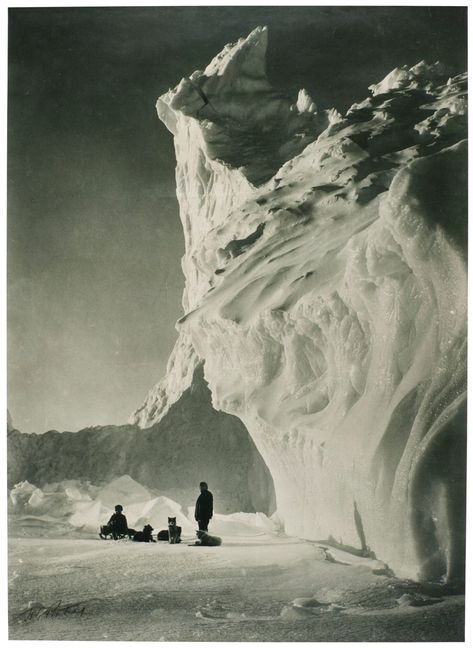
107, 534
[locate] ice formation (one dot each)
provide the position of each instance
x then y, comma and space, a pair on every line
82, 506
56, 500
326, 292
9, 422
186, 441
123, 490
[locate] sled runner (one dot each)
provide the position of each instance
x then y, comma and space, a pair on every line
106, 533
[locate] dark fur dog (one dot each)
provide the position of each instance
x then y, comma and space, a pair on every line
145, 535
207, 540
174, 531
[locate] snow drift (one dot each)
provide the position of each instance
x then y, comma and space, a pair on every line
326, 291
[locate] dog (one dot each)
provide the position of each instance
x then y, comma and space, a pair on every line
207, 540
174, 531
145, 535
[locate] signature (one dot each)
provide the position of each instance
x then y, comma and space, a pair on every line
59, 609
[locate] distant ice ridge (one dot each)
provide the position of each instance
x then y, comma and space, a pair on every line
326, 292
83, 506
186, 441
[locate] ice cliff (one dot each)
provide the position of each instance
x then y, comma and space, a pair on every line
325, 290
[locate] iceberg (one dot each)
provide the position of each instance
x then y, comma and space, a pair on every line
123, 490
325, 271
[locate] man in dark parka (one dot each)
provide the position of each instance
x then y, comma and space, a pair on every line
204, 507
117, 525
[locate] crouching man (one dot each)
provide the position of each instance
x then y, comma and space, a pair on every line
117, 525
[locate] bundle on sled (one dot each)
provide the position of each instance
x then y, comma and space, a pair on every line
107, 533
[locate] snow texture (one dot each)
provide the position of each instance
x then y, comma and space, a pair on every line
9, 422
326, 292
249, 589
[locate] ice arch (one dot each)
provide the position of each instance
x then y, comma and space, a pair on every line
326, 290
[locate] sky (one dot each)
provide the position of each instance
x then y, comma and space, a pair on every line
94, 237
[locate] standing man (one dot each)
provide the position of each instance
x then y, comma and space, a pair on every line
204, 507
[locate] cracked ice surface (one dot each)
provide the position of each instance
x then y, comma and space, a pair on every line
326, 291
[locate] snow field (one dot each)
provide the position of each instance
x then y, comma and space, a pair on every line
247, 589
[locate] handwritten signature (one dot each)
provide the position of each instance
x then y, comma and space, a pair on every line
59, 609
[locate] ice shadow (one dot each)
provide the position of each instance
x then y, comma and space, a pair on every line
364, 551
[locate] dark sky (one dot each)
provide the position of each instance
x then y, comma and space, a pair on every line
94, 236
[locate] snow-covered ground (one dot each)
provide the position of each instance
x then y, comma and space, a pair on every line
260, 587
66, 583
